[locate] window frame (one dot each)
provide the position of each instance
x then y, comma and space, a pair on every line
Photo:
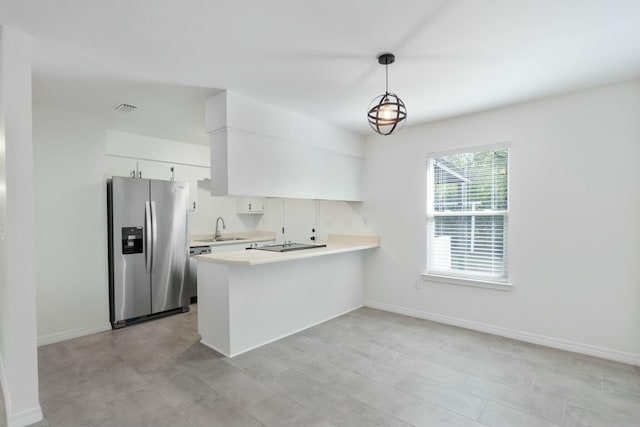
474, 279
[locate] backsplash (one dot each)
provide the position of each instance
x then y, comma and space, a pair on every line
298, 217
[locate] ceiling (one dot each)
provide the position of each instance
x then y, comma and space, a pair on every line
319, 57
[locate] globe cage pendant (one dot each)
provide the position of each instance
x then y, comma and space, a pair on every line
387, 113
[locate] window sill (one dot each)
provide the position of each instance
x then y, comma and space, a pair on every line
476, 283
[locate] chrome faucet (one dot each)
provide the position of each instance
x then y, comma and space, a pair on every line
218, 235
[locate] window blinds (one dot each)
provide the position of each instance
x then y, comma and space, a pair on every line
467, 207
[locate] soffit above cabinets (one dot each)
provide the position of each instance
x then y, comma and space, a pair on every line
261, 150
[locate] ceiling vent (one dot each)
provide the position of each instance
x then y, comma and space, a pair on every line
125, 108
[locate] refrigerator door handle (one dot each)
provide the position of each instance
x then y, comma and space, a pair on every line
147, 233
154, 239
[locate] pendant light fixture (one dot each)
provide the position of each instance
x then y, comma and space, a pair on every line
387, 112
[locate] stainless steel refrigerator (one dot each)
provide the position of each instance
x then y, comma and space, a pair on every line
148, 248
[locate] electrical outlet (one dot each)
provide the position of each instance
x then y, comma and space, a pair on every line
416, 285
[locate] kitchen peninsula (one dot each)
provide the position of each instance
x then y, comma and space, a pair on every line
249, 298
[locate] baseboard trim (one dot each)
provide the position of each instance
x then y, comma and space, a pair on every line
25, 418
22, 419
558, 343
72, 333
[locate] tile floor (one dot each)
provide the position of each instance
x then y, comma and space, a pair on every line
366, 368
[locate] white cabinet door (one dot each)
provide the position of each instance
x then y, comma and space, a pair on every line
154, 170
149, 169
250, 205
299, 220
271, 220
120, 166
191, 175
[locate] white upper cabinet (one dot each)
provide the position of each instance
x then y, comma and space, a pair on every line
250, 205
135, 168
121, 166
154, 170
141, 156
191, 175
261, 150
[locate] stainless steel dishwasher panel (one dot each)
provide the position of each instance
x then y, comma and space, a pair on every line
193, 270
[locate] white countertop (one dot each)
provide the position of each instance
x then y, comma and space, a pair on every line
336, 244
245, 237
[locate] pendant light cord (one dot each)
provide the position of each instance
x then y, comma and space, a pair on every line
386, 72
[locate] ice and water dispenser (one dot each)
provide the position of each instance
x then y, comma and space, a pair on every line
132, 240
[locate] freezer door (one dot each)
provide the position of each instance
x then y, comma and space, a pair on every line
130, 282
170, 252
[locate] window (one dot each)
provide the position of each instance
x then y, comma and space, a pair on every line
467, 207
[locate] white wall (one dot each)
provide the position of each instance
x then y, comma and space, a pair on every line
71, 223
574, 237
336, 217
18, 353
